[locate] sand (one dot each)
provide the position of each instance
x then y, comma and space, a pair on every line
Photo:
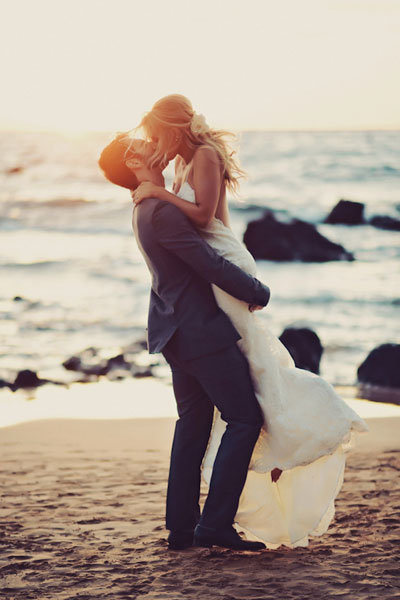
82, 509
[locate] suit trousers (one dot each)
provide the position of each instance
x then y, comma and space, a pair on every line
220, 379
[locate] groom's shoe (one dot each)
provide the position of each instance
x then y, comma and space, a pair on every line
179, 540
227, 538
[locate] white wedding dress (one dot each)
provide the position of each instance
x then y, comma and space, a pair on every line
308, 427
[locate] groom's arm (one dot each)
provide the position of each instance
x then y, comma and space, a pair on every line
175, 232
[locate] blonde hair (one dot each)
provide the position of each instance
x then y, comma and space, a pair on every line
175, 113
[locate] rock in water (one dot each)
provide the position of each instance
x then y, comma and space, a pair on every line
118, 362
27, 379
385, 222
270, 239
87, 362
346, 212
73, 363
381, 367
90, 364
304, 346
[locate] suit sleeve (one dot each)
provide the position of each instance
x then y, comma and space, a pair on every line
175, 233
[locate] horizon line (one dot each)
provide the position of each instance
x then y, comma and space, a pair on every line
234, 129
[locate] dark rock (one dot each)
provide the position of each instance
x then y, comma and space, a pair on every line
138, 371
87, 362
4, 383
346, 212
304, 346
98, 370
270, 239
76, 364
18, 299
381, 367
385, 222
27, 379
73, 363
118, 362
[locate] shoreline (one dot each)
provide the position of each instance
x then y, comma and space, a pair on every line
127, 399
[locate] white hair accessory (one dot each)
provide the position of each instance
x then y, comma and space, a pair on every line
198, 124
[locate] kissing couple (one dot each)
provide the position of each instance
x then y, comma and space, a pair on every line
269, 439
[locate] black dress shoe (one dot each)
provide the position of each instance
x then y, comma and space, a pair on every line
179, 540
226, 538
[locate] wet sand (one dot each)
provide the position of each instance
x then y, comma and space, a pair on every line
82, 509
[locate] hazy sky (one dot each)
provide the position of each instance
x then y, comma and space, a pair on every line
264, 64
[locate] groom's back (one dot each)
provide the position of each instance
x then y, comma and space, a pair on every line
182, 303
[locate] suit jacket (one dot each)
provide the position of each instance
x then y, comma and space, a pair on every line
183, 311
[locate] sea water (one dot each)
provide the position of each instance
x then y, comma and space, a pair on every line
68, 252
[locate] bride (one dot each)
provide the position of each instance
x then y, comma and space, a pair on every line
297, 466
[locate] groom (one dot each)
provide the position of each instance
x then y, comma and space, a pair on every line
199, 342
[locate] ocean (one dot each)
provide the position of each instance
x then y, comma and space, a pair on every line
67, 250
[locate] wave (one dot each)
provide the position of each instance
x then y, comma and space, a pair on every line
67, 202
39, 264
56, 202
243, 207
332, 299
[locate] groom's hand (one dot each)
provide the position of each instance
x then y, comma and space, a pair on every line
253, 307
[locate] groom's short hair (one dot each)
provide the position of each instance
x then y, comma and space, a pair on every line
112, 163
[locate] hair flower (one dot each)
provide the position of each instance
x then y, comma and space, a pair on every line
198, 124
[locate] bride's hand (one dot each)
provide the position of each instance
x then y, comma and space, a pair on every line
146, 189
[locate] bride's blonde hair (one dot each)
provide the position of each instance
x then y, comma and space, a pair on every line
173, 114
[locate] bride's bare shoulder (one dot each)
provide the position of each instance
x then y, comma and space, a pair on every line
205, 153
206, 158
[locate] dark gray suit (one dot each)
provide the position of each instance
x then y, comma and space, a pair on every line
199, 341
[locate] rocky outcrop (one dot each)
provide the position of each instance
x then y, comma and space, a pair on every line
89, 363
346, 212
304, 346
270, 239
385, 222
381, 367
27, 379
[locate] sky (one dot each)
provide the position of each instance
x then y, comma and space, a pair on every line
84, 65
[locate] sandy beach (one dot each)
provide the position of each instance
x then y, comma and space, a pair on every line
82, 517
289, 152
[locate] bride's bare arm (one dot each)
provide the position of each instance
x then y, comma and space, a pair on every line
206, 184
